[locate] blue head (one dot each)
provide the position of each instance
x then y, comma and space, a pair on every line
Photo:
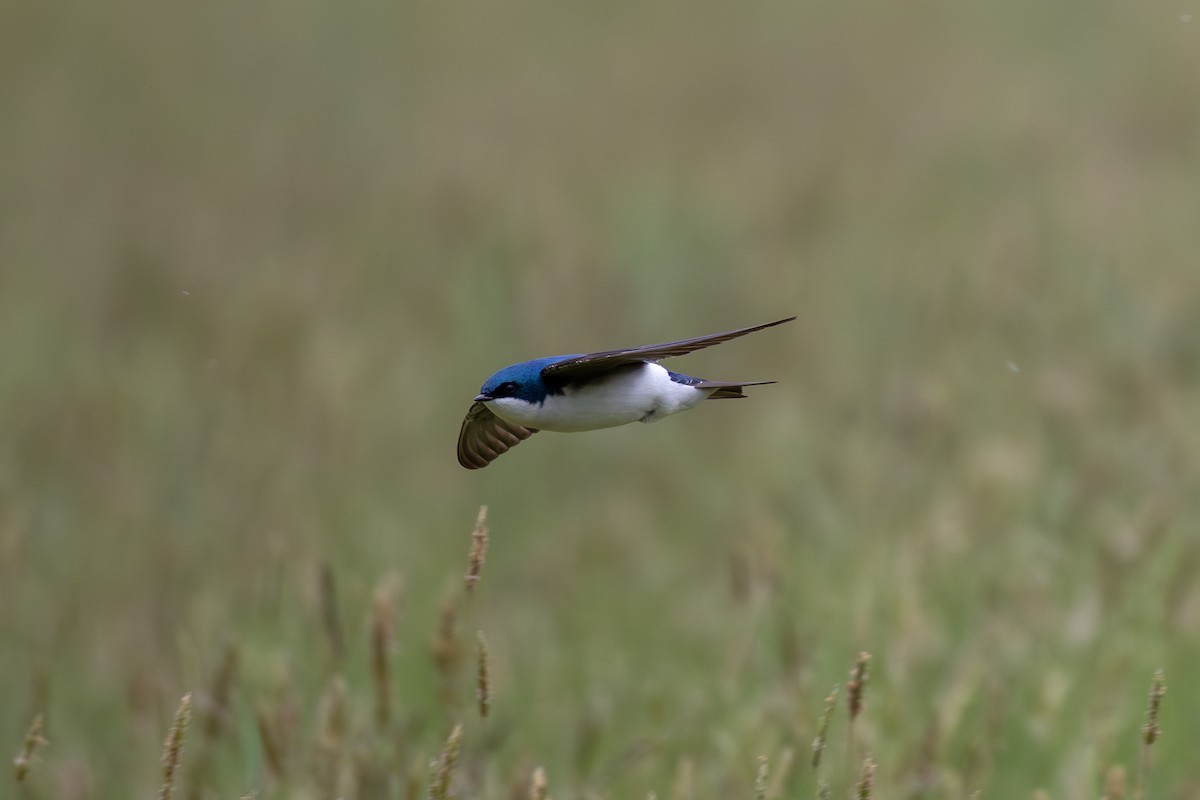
522, 381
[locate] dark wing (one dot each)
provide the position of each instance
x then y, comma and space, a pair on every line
584, 366
484, 437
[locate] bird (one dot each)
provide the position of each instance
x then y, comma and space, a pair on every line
588, 391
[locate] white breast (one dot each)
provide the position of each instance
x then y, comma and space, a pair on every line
643, 393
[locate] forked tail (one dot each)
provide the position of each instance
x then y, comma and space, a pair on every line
728, 390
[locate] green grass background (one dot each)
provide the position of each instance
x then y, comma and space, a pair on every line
256, 258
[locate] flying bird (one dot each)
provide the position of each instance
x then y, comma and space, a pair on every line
584, 392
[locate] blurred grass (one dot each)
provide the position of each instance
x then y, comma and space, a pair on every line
255, 260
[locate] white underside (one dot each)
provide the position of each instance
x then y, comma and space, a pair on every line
635, 395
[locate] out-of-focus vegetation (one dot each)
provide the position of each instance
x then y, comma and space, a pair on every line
256, 258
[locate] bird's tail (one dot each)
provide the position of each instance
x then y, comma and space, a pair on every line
727, 390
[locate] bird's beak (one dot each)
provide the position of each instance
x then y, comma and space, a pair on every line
480, 398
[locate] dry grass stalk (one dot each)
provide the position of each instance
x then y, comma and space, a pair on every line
856, 689
331, 743
272, 745
483, 680
537, 785
684, 786
478, 554
818, 745
446, 651
760, 780
331, 620
173, 747
866, 781
779, 776
519, 775
1114, 783
29, 748
220, 697
439, 787
216, 711
381, 638
857, 685
1150, 732
414, 779
334, 721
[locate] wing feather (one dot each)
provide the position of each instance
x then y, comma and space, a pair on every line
484, 437
577, 367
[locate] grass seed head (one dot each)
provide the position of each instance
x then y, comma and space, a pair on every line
537, 786
443, 771
29, 748
818, 745
331, 744
478, 554
1158, 688
173, 747
866, 782
381, 638
760, 780
330, 618
1150, 733
1114, 783
856, 687
483, 680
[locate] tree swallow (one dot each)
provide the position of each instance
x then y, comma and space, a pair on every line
587, 392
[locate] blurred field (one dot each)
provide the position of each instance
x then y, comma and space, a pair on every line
256, 258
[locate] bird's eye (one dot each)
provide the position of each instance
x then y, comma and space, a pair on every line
508, 387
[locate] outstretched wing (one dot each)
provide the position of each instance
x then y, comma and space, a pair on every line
580, 367
484, 437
